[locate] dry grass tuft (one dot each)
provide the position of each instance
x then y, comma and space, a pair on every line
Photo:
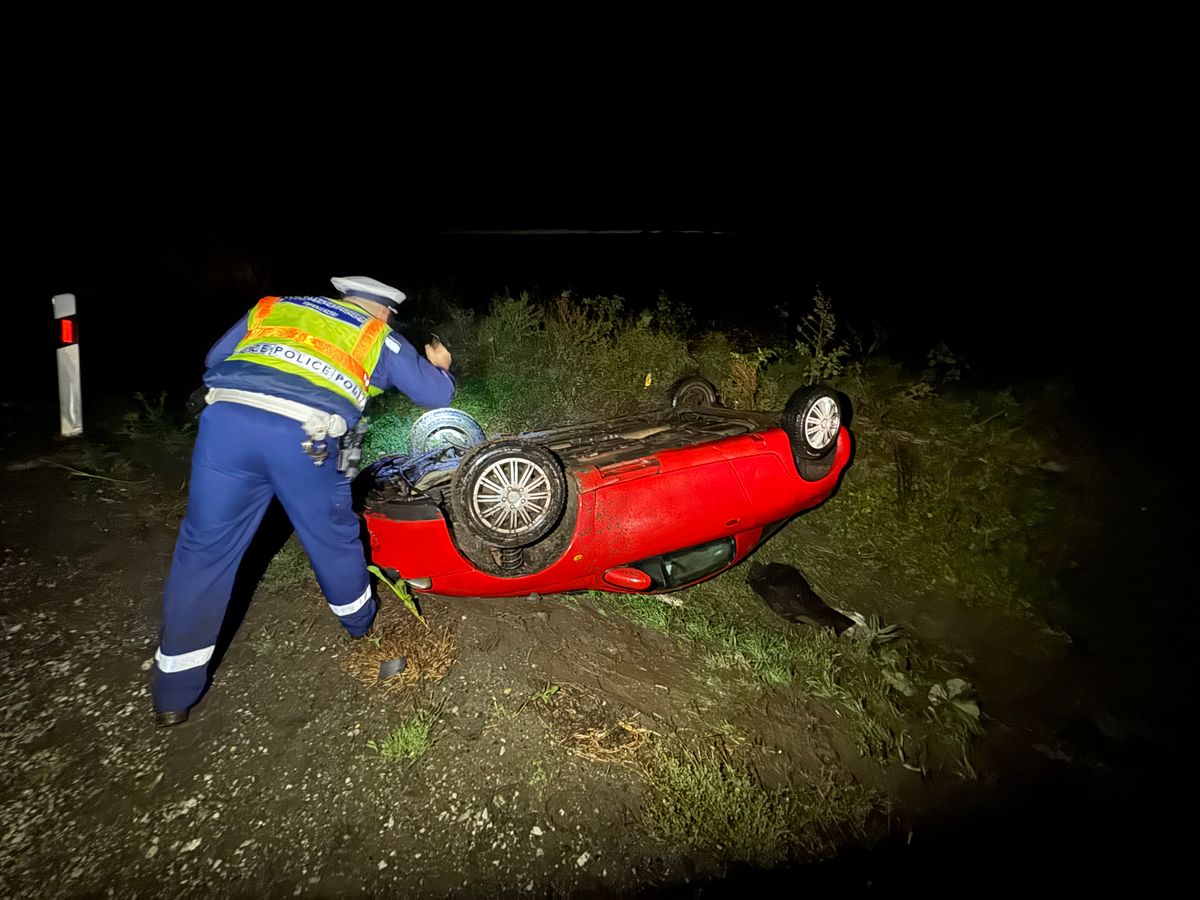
430, 652
594, 729
621, 744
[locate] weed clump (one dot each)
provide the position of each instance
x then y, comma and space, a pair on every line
709, 800
154, 419
409, 740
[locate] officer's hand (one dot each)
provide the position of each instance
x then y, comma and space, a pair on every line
437, 354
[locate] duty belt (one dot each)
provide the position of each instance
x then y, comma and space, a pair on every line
318, 425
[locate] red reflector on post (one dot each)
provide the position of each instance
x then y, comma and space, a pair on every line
68, 331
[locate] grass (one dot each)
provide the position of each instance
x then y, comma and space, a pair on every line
154, 419
587, 724
289, 567
527, 364
873, 679
538, 778
947, 490
701, 800
267, 642
410, 739
546, 694
710, 800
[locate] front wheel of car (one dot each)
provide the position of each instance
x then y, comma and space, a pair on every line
509, 493
812, 420
693, 391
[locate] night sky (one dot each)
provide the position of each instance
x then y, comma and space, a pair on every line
1032, 260
1008, 187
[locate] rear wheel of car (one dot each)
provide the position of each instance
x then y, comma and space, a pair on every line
694, 391
444, 428
509, 493
812, 419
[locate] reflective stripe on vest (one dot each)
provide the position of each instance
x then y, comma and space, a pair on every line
333, 345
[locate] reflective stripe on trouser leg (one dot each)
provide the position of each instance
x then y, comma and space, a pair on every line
317, 500
180, 680
358, 615
183, 661
227, 497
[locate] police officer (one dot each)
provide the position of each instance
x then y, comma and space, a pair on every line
284, 384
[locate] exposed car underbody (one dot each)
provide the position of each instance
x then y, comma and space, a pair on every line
678, 489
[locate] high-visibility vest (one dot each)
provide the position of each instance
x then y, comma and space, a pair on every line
332, 344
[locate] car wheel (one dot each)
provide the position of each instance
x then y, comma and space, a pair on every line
509, 493
444, 428
812, 419
694, 391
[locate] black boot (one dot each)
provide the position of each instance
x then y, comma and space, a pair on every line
166, 717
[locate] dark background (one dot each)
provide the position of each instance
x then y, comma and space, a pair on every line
1010, 185
1027, 272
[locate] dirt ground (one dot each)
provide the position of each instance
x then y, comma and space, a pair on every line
272, 790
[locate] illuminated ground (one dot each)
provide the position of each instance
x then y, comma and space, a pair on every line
534, 781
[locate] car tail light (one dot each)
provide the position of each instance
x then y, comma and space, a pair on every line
628, 578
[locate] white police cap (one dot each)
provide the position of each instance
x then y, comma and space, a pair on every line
369, 289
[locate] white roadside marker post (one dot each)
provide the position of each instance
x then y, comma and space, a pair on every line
70, 399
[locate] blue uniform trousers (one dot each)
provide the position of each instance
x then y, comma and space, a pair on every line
243, 457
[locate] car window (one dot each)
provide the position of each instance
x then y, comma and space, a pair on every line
672, 570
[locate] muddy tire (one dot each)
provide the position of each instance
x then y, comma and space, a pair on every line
812, 420
442, 428
509, 493
694, 391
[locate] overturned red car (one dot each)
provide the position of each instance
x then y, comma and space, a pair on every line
644, 503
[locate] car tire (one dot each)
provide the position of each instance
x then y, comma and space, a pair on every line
509, 493
812, 420
444, 427
694, 391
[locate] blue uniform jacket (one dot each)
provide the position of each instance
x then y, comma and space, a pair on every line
400, 366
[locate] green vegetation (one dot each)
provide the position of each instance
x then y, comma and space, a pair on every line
947, 484
712, 801
944, 496
546, 694
526, 365
154, 419
401, 592
706, 802
409, 740
874, 679
289, 567
269, 643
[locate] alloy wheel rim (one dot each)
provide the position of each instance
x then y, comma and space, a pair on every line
821, 423
512, 495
